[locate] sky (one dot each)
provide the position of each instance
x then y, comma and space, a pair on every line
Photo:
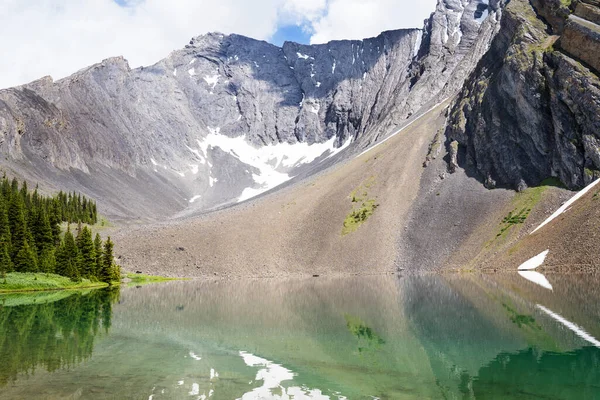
59, 37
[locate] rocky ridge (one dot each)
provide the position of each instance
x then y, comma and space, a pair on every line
228, 117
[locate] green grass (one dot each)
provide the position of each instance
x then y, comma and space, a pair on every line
514, 218
31, 282
142, 279
362, 207
358, 216
524, 203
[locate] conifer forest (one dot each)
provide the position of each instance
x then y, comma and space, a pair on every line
32, 240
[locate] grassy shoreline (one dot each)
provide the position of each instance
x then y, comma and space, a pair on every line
143, 279
28, 282
36, 282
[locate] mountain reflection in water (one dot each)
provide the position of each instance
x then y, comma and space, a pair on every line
411, 337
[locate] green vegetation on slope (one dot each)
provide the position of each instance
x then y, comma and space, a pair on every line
523, 204
362, 207
31, 239
509, 228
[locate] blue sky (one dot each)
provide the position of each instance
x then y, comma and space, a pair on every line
291, 33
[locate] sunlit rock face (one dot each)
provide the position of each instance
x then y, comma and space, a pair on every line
227, 117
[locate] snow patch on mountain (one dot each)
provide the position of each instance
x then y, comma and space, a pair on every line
273, 162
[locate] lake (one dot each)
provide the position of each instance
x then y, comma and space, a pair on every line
456, 336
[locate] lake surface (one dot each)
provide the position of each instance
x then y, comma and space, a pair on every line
411, 337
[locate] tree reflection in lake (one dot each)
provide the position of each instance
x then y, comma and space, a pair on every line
52, 335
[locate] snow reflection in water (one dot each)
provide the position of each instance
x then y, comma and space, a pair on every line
537, 278
272, 376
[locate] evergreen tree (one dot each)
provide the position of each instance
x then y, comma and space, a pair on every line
14, 187
71, 271
5, 188
99, 254
62, 259
44, 238
5, 261
4, 226
79, 227
54, 218
107, 273
16, 219
71, 250
47, 260
116, 273
87, 259
26, 259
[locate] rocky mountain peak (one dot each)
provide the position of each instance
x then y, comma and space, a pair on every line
228, 117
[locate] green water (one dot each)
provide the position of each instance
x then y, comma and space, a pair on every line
412, 337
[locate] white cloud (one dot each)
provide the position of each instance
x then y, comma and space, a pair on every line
301, 11
58, 37
357, 19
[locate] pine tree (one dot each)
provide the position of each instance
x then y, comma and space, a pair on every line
71, 250
26, 259
116, 273
79, 228
87, 259
99, 254
14, 187
67, 257
5, 261
62, 259
5, 188
16, 219
47, 260
5, 226
44, 238
107, 273
55, 218
71, 271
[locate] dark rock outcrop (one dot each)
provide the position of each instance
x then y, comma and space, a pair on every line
531, 109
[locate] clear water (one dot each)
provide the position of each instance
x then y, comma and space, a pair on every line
413, 337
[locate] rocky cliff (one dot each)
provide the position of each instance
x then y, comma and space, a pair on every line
531, 109
228, 117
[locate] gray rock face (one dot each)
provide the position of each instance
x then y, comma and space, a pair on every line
529, 111
227, 117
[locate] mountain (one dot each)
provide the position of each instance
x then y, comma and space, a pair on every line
383, 151
228, 117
